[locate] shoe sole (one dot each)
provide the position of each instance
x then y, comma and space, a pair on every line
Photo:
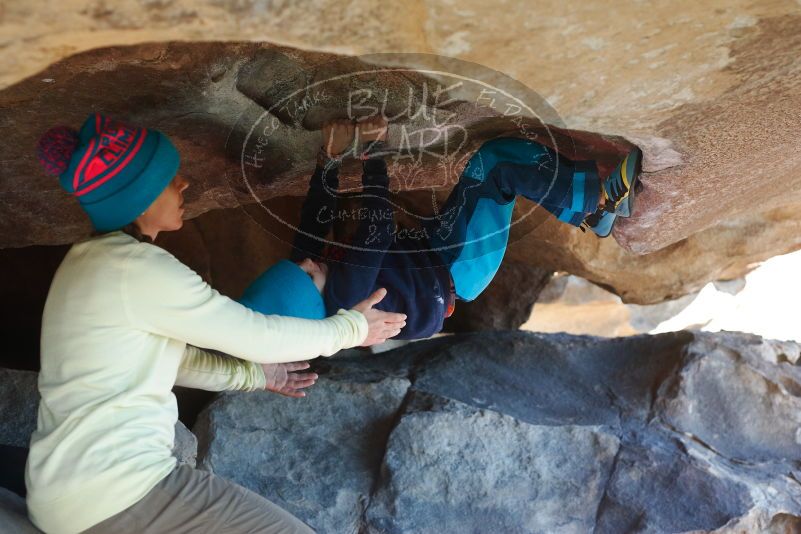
625, 208
611, 227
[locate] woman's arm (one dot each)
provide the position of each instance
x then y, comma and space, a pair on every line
201, 369
211, 371
163, 296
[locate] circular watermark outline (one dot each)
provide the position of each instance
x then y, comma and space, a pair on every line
541, 112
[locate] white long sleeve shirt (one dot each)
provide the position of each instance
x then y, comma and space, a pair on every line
115, 329
201, 369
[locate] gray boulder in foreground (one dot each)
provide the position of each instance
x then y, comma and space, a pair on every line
185, 447
521, 432
19, 401
14, 514
481, 471
292, 450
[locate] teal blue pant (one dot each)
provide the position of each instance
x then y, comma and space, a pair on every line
472, 229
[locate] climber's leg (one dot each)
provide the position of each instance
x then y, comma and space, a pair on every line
472, 230
621, 186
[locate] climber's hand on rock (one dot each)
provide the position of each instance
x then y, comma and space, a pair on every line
381, 325
284, 378
371, 129
338, 136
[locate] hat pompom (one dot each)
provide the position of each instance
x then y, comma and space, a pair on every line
55, 148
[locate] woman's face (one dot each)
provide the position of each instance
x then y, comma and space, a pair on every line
166, 212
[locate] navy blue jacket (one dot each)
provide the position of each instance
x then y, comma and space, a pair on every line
417, 283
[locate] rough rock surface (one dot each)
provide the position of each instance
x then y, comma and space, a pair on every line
453, 464
696, 221
252, 439
519, 432
185, 448
14, 514
19, 400
708, 102
208, 97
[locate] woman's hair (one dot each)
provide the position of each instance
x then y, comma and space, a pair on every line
132, 230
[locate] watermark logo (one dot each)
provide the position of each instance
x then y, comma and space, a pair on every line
464, 143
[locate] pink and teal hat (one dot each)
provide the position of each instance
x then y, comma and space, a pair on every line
116, 170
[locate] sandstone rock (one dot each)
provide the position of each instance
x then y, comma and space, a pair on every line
199, 95
206, 94
704, 100
759, 520
316, 457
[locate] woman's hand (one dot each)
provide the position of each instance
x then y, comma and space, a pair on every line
381, 325
284, 379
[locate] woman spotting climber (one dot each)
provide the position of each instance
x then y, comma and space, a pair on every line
123, 323
462, 247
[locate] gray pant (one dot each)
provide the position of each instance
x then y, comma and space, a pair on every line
190, 500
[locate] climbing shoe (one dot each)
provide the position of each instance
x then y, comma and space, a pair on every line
601, 222
621, 186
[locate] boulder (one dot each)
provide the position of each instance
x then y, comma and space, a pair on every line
735, 402
519, 432
185, 447
692, 97
19, 401
14, 514
657, 487
316, 457
454, 468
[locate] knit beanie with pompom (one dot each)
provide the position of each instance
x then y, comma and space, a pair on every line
116, 170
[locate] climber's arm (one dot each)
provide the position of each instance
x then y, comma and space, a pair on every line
354, 277
316, 215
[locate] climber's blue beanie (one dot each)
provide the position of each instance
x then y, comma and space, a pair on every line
116, 170
285, 289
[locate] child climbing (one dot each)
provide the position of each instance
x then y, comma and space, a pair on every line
462, 247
